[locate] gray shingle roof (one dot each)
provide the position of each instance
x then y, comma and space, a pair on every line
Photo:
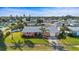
53, 29
74, 28
31, 29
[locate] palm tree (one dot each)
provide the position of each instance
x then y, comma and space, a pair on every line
43, 30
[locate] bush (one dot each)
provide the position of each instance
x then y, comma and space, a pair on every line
7, 34
71, 35
60, 36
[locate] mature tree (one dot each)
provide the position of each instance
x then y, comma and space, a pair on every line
62, 30
20, 25
2, 43
39, 21
24, 15
43, 30
1, 35
29, 18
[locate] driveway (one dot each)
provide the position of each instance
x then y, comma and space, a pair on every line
53, 40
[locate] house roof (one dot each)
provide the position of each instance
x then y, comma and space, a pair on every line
53, 30
31, 29
74, 28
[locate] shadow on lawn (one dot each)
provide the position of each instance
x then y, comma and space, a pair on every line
29, 43
3, 46
16, 45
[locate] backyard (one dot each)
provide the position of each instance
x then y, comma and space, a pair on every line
16, 38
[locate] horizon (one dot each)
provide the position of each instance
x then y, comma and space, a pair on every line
39, 11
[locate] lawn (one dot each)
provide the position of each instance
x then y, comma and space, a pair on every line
17, 37
70, 42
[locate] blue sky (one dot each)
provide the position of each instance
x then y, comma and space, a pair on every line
39, 11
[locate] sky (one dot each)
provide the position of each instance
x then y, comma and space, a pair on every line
39, 11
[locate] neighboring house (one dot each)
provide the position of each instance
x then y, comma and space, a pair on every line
32, 23
73, 27
74, 31
72, 22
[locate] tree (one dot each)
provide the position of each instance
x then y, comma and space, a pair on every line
2, 44
24, 15
29, 18
62, 30
1, 35
39, 21
13, 26
20, 25
43, 30
11, 17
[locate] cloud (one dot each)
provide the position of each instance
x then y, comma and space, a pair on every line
58, 11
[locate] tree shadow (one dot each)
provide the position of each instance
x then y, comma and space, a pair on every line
29, 43
3, 46
17, 45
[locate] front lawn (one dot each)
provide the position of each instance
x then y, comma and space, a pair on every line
17, 37
70, 42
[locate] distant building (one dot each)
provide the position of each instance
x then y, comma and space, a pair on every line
74, 31
73, 26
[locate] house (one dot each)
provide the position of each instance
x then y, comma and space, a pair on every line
74, 27
72, 22
34, 31
74, 31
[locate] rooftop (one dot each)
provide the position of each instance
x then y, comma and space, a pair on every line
74, 28
31, 29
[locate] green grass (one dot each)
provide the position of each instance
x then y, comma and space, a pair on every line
70, 42
17, 37
72, 48
41, 48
